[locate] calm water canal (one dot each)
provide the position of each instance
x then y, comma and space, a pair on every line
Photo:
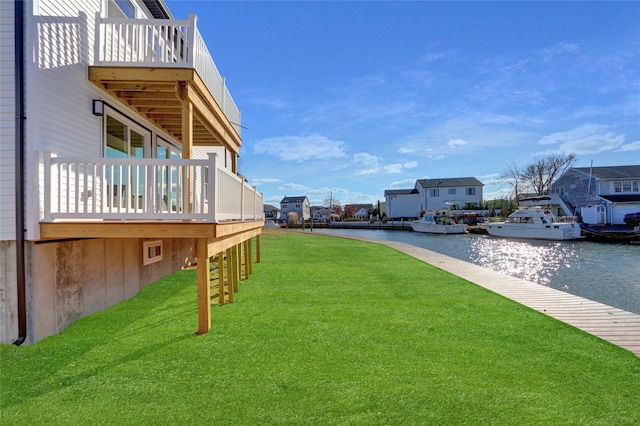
607, 273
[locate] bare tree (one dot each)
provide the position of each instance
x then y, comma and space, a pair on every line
540, 174
514, 176
333, 204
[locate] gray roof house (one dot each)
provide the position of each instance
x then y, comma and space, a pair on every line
271, 212
402, 203
299, 205
611, 191
449, 193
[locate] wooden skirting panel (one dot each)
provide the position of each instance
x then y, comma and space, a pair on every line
230, 241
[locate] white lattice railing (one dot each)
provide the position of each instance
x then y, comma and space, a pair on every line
162, 43
145, 189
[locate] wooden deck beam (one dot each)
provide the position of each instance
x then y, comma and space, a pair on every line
147, 229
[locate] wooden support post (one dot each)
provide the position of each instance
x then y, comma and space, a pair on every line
249, 258
236, 266
204, 291
230, 275
221, 278
245, 250
258, 248
187, 140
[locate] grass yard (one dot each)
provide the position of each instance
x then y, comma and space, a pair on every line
326, 331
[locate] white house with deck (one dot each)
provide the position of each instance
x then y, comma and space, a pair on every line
461, 193
103, 189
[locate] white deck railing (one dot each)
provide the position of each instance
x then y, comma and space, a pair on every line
162, 43
145, 189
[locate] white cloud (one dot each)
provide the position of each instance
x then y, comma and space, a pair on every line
264, 180
437, 157
365, 158
586, 139
406, 150
560, 49
398, 168
300, 148
404, 184
293, 187
369, 171
370, 161
275, 103
456, 142
393, 168
633, 146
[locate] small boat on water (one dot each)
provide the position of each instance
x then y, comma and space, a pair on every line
610, 234
438, 222
535, 223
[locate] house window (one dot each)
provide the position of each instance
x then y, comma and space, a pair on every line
625, 186
434, 192
284, 206
471, 191
121, 9
125, 139
452, 191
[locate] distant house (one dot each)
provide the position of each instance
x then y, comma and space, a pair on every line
449, 193
601, 194
295, 209
271, 212
323, 214
402, 203
358, 211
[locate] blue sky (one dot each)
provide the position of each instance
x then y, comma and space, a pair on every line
353, 98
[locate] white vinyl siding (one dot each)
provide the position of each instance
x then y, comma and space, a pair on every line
61, 120
7, 122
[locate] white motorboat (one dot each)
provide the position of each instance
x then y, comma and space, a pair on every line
535, 223
435, 222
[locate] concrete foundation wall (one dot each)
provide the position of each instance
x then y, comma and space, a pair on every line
72, 279
8, 293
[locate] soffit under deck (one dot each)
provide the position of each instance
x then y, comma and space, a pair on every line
158, 93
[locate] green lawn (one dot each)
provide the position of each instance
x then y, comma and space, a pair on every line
326, 331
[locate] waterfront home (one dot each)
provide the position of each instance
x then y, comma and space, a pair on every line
101, 190
358, 211
402, 203
271, 212
295, 209
462, 193
450, 193
602, 195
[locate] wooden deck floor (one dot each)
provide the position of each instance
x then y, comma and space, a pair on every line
617, 326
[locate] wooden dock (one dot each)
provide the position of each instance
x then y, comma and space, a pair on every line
617, 326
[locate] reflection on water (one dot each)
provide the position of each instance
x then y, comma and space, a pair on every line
607, 273
534, 261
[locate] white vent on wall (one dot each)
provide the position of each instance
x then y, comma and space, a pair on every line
151, 252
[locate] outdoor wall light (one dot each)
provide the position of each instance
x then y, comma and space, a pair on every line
98, 107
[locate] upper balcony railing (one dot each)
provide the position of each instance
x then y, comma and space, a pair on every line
162, 43
145, 189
